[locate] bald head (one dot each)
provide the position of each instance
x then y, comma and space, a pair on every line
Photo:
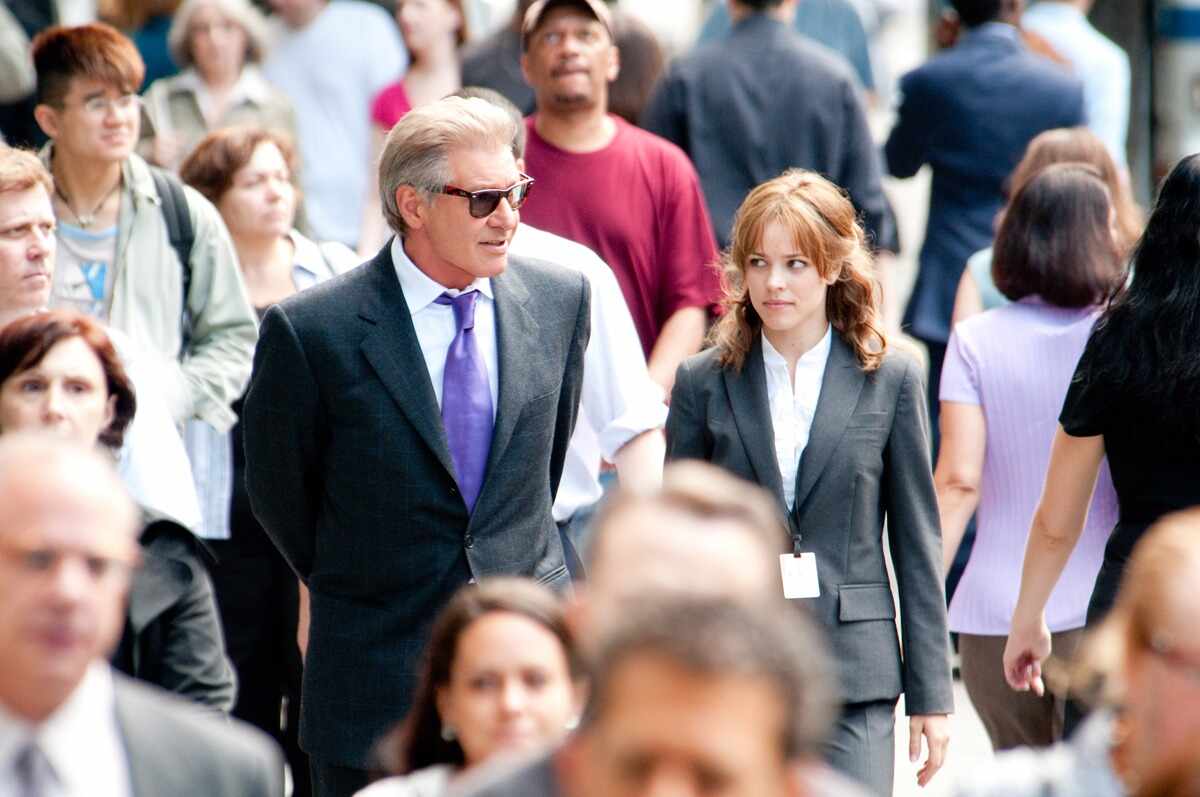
68, 542
704, 533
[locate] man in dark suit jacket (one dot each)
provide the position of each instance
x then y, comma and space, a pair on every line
969, 113
764, 100
68, 723
406, 424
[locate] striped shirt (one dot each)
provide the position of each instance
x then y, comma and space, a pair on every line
1015, 362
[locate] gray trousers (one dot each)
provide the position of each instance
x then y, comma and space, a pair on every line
862, 744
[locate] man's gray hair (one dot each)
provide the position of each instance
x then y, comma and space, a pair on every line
769, 641
417, 150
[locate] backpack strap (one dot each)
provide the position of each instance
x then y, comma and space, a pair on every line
177, 216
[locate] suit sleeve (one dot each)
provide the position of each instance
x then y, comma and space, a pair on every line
193, 662
280, 422
907, 145
861, 174
914, 534
572, 387
685, 424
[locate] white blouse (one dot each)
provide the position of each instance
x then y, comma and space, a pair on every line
793, 405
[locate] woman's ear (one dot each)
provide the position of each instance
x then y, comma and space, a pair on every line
441, 699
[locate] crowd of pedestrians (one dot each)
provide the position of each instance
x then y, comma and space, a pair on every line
444, 414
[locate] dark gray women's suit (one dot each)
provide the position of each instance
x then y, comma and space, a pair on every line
867, 460
349, 472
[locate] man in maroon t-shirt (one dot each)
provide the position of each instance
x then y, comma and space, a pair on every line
631, 196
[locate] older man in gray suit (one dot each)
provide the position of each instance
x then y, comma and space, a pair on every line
407, 423
68, 723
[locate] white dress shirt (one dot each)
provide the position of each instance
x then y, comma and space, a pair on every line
618, 400
83, 754
793, 405
435, 324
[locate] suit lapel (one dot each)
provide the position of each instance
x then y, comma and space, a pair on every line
751, 407
395, 354
516, 332
840, 387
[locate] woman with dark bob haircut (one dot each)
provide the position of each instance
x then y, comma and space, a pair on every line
59, 372
501, 675
1135, 396
1056, 259
801, 394
25, 344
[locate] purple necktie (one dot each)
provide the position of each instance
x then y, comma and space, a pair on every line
466, 400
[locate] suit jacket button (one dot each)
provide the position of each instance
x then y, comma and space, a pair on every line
453, 491
469, 541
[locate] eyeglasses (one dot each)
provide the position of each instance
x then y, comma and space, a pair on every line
100, 106
481, 204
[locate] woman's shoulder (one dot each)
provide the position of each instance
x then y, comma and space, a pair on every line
704, 364
901, 357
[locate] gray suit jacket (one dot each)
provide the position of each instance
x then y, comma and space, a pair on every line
175, 748
867, 460
349, 472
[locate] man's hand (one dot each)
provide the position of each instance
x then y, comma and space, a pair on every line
936, 730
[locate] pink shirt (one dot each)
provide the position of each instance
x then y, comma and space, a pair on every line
389, 105
1016, 362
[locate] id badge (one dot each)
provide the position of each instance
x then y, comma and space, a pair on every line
799, 575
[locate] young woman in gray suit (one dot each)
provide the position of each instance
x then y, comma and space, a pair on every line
800, 394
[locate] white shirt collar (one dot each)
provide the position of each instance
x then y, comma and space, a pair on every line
420, 290
812, 360
89, 710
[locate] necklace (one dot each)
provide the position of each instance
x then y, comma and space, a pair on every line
86, 220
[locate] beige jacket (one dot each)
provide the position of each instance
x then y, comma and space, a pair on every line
147, 300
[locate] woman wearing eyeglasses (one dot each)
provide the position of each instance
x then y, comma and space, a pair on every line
219, 44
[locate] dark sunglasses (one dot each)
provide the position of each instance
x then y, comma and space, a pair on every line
481, 204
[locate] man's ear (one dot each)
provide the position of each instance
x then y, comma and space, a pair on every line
614, 63
413, 207
47, 119
525, 69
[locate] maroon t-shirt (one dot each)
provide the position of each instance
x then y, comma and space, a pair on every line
638, 204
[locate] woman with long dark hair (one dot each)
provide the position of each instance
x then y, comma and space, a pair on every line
501, 675
801, 394
1135, 396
